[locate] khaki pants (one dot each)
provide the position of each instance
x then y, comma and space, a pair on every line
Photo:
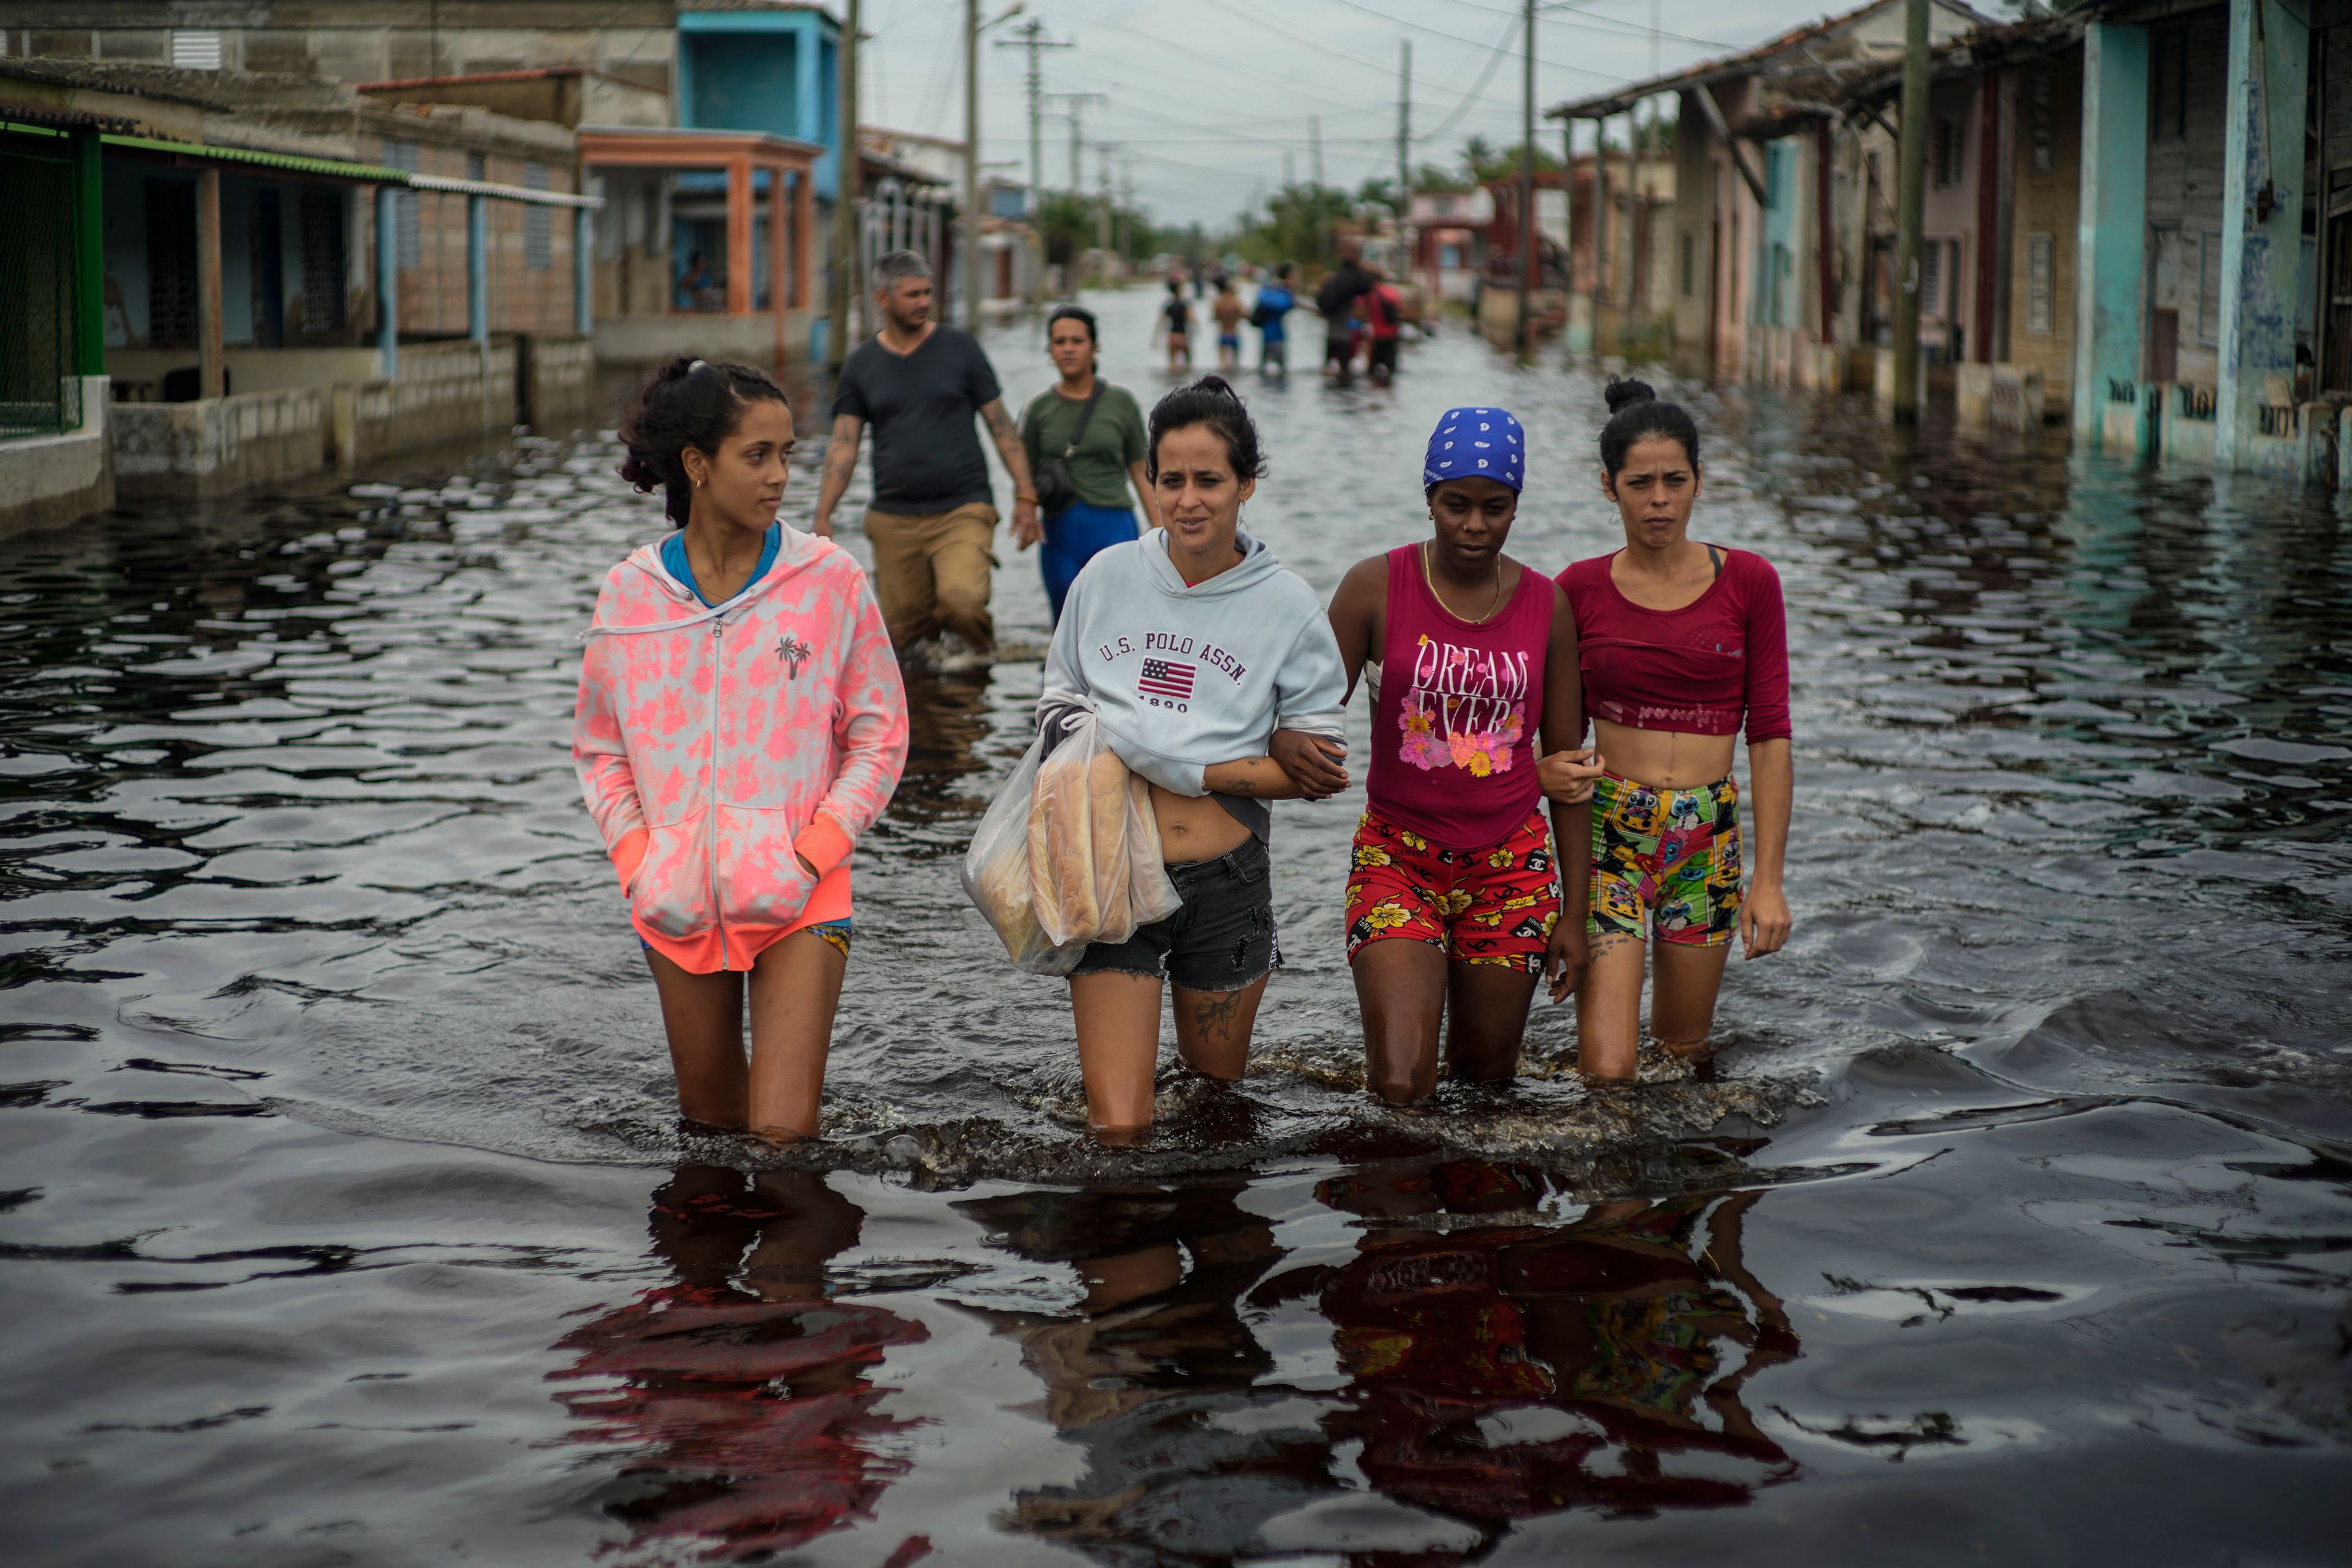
931, 573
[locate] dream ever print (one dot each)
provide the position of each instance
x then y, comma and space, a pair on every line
1467, 707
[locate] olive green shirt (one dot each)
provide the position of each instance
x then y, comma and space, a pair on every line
1114, 439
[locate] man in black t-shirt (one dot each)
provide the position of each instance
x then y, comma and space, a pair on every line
1336, 300
933, 516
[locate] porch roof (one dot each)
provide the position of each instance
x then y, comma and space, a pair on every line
682, 147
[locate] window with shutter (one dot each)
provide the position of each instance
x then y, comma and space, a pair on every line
197, 48
2041, 266
2209, 287
407, 229
538, 222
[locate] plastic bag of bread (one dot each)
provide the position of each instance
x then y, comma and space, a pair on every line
1095, 868
1068, 853
996, 874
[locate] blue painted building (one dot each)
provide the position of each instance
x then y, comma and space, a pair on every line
773, 69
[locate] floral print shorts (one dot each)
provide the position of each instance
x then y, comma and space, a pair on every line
1665, 862
1496, 905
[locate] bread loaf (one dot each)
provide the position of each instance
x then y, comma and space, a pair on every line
1077, 846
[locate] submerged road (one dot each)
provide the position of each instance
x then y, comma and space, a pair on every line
345, 1218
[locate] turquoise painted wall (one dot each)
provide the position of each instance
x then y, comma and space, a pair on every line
2111, 239
2262, 257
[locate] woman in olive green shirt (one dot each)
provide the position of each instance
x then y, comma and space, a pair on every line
1108, 463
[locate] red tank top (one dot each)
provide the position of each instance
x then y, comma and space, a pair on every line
1454, 731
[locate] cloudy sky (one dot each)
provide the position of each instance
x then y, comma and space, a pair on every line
1206, 99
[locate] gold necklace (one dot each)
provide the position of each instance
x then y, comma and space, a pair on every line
1492, 607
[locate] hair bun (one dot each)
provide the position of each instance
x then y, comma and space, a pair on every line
1626, 392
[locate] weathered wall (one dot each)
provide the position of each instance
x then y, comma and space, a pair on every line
47, 481
210, 447
2187, 95
2046, 166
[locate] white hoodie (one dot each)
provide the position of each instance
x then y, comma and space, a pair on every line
1183, 678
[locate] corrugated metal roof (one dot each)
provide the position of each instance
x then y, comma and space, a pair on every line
52, 117
503, 193
331, 167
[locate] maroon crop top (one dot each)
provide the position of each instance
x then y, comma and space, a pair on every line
1696, 669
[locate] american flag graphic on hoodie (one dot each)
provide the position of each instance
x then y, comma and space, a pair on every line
1166, 678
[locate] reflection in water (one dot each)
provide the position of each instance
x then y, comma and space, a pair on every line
1516, 1368
1497, 1365
741, 1385
1148, 1369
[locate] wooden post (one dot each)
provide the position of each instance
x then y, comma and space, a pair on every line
1911, 161
387, 281
738, 236
804, 239
210, 377
777, 301
1825, 225
846, 280
1981, 333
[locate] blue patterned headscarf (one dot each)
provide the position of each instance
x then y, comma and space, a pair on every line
1476, 444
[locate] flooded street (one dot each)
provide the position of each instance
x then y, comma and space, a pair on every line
343, 1215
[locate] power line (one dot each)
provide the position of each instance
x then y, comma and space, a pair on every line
1499, 52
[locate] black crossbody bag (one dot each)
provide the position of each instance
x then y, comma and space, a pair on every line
1056, 488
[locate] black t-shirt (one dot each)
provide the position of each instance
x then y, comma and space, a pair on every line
1339, 292
1180, 315
927, 457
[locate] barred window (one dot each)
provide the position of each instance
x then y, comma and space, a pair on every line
322, 261
2041, 267
1951, 148
2209, 288
407, 226
538, 222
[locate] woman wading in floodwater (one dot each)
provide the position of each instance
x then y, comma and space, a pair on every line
1212, 672
1454, 884
741, 723
1680, 640
1095, 432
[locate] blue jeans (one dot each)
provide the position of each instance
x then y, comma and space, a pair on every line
1074, 535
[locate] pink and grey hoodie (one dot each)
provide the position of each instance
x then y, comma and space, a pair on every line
719, 747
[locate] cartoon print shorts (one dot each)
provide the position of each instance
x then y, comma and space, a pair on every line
1496, 905
1665, 862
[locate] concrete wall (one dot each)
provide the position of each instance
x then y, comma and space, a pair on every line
642, 339
444, 391
524, 297
562, 383
2187, 138
2046, 164
193, 451
351, 42
47, 481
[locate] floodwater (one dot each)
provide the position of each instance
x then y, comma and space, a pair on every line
346, 1219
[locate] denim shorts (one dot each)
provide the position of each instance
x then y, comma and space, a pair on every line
1222, 940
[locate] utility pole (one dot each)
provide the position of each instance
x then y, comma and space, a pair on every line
1315, 146
1527, 251
1405, 245
1072, 104
845, 249
967, 304
1911, 164
1405, 119
1102, 216
1033, 38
